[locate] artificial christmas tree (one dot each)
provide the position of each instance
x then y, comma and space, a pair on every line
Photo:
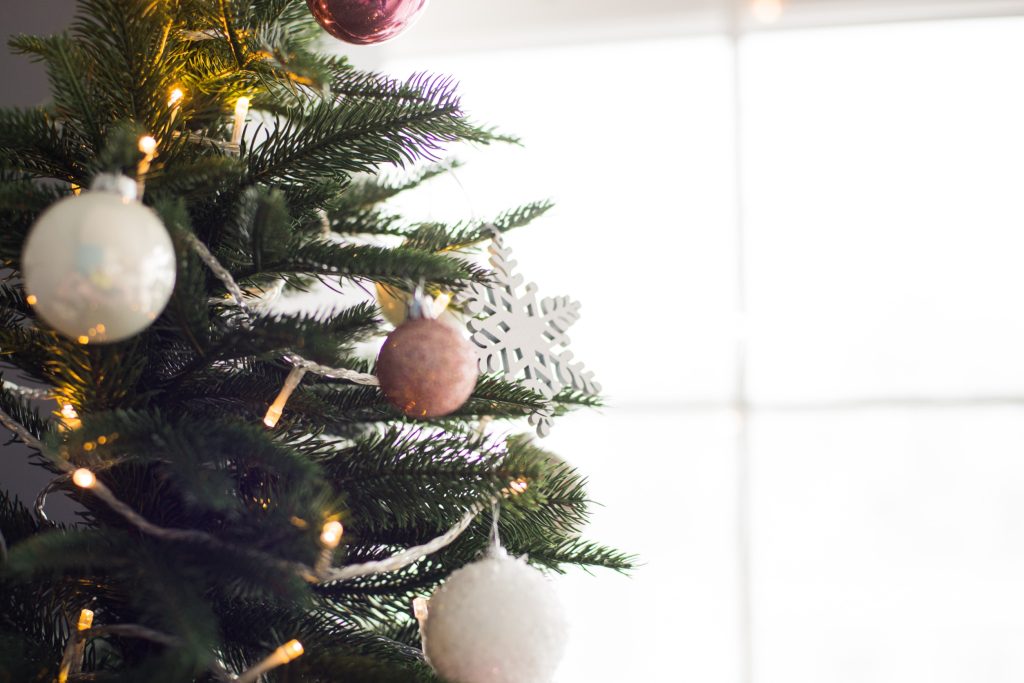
251, 504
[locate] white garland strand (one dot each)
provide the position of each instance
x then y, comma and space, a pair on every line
27, 392
222, 274
405, 558
395, 563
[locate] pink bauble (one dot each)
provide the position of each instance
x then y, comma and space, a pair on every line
366, 22
427, 368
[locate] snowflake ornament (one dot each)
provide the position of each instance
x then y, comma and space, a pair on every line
525, 341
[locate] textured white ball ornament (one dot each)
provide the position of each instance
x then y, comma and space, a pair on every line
99, 267
497, 620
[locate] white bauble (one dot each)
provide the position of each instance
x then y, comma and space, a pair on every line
98, 267
498, 620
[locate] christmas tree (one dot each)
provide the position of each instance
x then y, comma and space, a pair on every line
244, 484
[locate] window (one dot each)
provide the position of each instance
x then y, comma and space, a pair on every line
798, 257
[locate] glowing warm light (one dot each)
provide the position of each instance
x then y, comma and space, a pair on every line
241, 111
83, 339
516, 487
175, 98
331, 534
32, 299
277, 407
291, 650
766, 11
84, 478
420, 608
147, 145
273, 415
85, 619
68, 411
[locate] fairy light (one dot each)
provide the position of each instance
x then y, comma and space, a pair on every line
766, 11
518, 486
74, 653
174, 103
241, 111
147, 145
331, 534
83, 478
31, 299
276, 408
85, 619
330, 538
288, 652
69, 417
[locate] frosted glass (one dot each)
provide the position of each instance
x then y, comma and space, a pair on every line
888, 546
885, 212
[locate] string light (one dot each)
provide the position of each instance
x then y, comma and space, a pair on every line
766, 11
174, 102
241, 111
69, 417
288, 652
331, 534
85, 619
74, 652
330, 538
517, 487
147, 145
83, 478
277, 407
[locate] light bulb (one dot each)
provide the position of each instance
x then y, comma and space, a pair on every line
291, 650
241, 111
85, 619
276, 408
147, 145
177, 95
516, 487
331, 534
84, 478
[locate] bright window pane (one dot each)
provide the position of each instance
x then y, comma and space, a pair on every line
633, 143
885, 213
889, 546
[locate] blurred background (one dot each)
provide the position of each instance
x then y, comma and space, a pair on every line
796, 229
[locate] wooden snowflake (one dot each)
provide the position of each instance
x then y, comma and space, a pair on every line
525, 341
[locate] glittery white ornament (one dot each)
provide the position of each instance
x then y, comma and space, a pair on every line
497, 620
99, 267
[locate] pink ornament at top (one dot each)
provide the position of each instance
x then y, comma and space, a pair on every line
366, 22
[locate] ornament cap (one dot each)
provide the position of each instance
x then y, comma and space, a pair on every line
117, 183
421, 306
